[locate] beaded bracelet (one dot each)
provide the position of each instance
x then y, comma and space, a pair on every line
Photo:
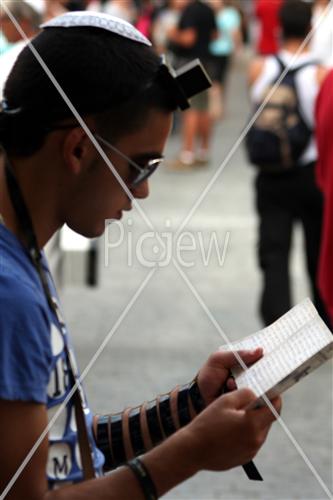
141, 473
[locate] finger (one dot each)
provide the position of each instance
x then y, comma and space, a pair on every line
239, 399
231, 384
277, 404
230, 359
265, 415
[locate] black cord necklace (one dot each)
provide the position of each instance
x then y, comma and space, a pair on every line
36, 257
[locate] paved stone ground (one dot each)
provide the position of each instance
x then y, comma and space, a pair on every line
167, 335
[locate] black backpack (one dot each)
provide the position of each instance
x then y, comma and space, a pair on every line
279, 135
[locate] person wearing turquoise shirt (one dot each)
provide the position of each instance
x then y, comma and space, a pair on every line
4, 45
228, 22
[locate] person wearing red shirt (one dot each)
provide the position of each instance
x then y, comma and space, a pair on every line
324, 171
267, 15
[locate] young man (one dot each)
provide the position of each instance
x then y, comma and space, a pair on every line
191, 39
292, 195
51, 174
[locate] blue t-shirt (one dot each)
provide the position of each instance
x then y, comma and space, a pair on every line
33, 361
227, 20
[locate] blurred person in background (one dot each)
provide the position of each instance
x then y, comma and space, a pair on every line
324, 170
285, 197
245, 10
148, 11
74, 5
124, 9
28, 14
54, 8
4, 44
229, 40
322, 38
189, 40
167, 20
266, 12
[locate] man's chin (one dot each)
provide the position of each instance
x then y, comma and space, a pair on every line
90, 233
97, 232
98, 229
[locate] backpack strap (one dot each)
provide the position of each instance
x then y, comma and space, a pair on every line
280, 63
304, 65
297, 68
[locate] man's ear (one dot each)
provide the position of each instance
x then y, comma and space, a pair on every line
77, 149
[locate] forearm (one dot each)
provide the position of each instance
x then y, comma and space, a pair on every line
169, 464
186, 38
121, 484
137, 430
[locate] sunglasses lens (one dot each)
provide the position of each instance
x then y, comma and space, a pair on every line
146, 172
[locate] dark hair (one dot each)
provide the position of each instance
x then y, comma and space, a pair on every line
103, 74
295, 19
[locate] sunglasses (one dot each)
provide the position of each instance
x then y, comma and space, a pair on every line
140, 173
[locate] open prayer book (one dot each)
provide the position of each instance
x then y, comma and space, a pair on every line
294, 346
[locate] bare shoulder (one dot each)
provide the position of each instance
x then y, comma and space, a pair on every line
255, 69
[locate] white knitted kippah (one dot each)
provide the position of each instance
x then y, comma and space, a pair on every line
97, 20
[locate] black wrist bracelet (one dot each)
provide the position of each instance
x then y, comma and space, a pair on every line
153, 423
196, 398
103, 441
164, 407
117, 439
183, 409
143, 476
135, 431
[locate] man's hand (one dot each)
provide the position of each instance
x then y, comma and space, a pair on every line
214, 374
226, 434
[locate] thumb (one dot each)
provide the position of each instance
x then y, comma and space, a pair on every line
239, 399
230, 359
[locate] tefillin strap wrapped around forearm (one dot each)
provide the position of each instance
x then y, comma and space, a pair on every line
161, 422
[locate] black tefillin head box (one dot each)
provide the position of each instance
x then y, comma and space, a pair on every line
185, 82
193, 78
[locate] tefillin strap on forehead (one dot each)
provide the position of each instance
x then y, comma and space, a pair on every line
186, 82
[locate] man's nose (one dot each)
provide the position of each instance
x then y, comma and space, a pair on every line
141, 191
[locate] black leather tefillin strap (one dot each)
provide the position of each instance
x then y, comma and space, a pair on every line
26, 226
